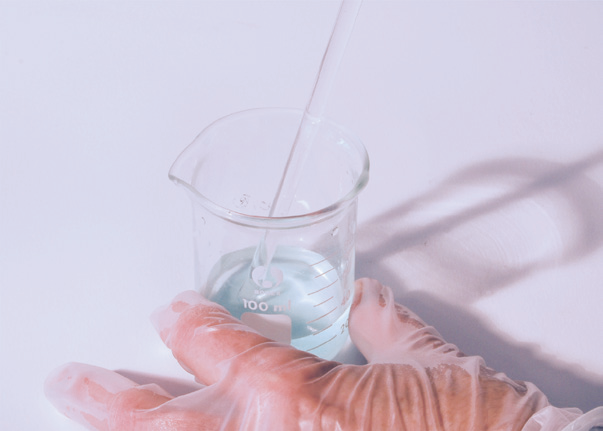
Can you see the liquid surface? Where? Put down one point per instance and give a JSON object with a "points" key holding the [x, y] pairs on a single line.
{"points": [[301, 301]]}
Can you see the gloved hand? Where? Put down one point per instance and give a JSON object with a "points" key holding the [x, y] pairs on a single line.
{"points": [[414, 380]]}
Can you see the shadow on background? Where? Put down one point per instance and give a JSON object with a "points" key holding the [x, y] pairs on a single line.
{"points": [[483, 230]]}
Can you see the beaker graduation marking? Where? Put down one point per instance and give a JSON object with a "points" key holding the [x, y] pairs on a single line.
{"points": [[323, 329], [323, 288], [322, 344], [324, 315], [326, 300], [320, 275]]}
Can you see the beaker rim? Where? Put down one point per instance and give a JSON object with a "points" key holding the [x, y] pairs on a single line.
{"points": [[273, 222]]}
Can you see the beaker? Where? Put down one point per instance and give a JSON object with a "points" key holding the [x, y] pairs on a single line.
{"points": [[301, 290]]}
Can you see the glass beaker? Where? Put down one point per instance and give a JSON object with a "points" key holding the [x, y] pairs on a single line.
{"points": [[302, 288]]}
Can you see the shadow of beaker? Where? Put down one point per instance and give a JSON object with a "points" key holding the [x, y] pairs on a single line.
{"points": [[486, 227]]}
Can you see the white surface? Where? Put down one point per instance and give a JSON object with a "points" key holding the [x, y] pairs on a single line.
{"points": [[484, 209]]}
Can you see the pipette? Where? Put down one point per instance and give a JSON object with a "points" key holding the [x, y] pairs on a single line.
{"points": [[284, 197]]}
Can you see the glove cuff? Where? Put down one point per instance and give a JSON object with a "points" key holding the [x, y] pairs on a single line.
{"points": [[570, 419], [593, 420]]}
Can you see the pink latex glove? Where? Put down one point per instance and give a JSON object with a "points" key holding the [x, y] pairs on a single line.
{"points": [[414, 380]]}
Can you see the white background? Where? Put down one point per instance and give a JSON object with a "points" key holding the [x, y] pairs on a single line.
{"points": [[483, 121]]}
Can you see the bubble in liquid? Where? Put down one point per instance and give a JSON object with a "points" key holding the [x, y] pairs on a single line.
{"points": [[258, 275]]}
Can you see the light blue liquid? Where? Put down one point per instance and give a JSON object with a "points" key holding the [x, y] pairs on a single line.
{"points": [[307, 293]]}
